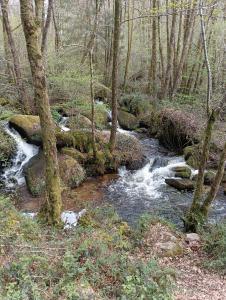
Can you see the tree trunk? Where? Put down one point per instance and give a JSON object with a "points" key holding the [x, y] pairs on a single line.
{"points": [[215, 185], [46, 26], [23, 97], [114, 99], [52, 208], [130, 39]]}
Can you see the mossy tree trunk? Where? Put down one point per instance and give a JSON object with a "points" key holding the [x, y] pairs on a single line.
{"points": [[116, 40], [215, 185], [23, 97], [193, 217], [52, 208]]}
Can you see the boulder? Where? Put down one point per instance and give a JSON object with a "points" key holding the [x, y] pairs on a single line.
{"points": [[78, 122], [181, 184], [80, 157], [127, 121], [170, 248], [7, 148], [208, 177], [192, 237], [182, 172], [28, 126], [71, 172]]}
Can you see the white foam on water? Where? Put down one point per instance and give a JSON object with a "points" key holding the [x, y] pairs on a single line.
{"points": [[14, 175], [147, 181], [62, 124]]}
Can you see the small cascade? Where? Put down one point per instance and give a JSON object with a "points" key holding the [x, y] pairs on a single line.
{"points": [[13, 175], [63, 123]]}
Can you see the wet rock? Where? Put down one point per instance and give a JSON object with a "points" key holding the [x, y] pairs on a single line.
{"points": [[80, 157], [71, 172], [127, 121], [181, 184], [7, 148], [28, 126], [158, 163], [208, 177], [182, 172], [141, 130]]}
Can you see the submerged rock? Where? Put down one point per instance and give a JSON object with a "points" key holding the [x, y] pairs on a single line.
{"points": [[181, 184], [7, 148], [28, 127], [182, 172]]}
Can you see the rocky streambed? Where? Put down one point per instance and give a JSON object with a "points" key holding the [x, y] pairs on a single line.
{"points": [[150, 178]]}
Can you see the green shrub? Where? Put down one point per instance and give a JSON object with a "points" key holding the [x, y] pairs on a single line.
{"points": [[215, 245]]}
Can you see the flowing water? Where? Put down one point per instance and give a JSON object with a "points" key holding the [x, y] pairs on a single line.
{"points": [[13, 175], [137, 192], [133, 193]]}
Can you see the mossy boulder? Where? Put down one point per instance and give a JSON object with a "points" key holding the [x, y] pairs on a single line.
{"points": [[192, 155], [71, 172], [80, 140], [4, 101], [208, 177], [28, 126], [79, 122], [101, 116], [181, 184], [127, 121], [136, 104], [80, 157], [182, 172], [7, 148]]}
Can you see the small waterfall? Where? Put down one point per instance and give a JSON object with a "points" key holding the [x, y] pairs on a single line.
{"points": [[63, 123], [13, 175]]}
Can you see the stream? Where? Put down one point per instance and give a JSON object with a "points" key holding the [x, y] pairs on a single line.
{"points": [[133, 193]]}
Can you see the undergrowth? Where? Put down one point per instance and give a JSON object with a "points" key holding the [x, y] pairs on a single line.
{"points": [[95, 260], [214, 238]]}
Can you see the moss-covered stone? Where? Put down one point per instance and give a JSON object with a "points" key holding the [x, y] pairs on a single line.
{"points": [[101, 117], [136, 104], [28, 126], [7, 148], [80, 140], [79, 122], [80, 157], [182, 172], [71, 172], [4, 101], [127, 121], [192, 155]]}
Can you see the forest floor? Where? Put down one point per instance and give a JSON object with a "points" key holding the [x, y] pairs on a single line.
{"points": [[193, 280]]}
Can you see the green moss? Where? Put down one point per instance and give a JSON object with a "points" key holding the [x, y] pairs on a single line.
{"points": [[80, 157], [182, 172], [127, 121], [7, 148], [4, 102], [136, 104], [79, 122], [28, 126]]}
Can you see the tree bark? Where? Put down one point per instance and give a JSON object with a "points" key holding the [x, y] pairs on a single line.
{"points": [[46, 26], [52, 208], [23, 97], [116, 41]]}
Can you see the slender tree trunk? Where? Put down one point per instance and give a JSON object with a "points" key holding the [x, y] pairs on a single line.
{"points": [[23, 97], [130, 39], [114, 99], [170, 57], [57, 35], [189, 24], [203, 32], [215, 185], [9, 70], [153, 67], [52, 208], [47, 25]]}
